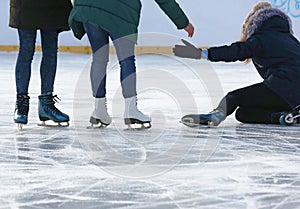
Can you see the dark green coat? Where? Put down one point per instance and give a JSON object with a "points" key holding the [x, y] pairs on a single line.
{"points": [[119, 17], [40, 14]]}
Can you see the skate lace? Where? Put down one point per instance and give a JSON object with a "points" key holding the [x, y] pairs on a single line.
{"points": [[22, 105], [56, 98], [50, 103]]}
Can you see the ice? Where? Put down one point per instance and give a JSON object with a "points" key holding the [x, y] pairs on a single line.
{"points": [[168, 166]]}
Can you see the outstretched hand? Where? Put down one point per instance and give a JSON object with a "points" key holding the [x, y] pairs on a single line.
{"points": [[190, 29], [187, 50]]}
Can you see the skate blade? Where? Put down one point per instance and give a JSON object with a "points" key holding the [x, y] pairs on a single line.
{"points": [[291, 118], [196, 125], [97, 126], [54, 124], [96, 123], [195, 121], [20, 126], [138, 126], [135, 124]]}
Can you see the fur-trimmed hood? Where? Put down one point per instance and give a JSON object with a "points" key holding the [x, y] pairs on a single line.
{"points": [[261, 16]]}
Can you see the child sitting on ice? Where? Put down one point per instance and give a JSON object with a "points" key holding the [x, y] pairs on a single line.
{"points": [[267, 41]]}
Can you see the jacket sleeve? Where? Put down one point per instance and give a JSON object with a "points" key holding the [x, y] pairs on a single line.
{"points": [[238, 51], [77, 27], [172, 9]]}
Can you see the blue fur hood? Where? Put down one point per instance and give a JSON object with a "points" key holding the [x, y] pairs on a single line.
{"points": [[261, 16]]}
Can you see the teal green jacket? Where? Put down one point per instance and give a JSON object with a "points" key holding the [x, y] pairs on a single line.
{"points": [[119, 17]]}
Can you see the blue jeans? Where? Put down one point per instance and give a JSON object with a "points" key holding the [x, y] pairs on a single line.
{"points": [[49, 40], [99, 41]]}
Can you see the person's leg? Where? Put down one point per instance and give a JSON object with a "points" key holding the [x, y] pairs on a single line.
{"points": [[46, 106], [99, 41], [27, 40], [126, 57], [49, 40], [257, 104], [254, 115], [257, 96], [125, 52]]}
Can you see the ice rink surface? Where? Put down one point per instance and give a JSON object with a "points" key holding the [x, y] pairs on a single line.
{"points": [[236, 166]]}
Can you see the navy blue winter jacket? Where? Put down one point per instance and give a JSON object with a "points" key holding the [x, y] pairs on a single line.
{"points": [[275, 53]]}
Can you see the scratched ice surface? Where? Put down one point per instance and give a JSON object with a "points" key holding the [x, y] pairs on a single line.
{"points": [[168, 166]]}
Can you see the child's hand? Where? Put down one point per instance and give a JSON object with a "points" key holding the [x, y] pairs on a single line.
{"points": [[187, 50], [190, 29]]}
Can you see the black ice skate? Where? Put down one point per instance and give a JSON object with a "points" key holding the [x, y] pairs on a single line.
{"points": [[133, 116], [21, 110], [47, 111], [213, 118], [291, 117]]}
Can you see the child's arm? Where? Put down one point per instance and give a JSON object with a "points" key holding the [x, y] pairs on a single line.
{"points": [[236, 51]]}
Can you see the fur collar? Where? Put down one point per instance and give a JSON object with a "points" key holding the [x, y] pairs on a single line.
{"points": [[262, 15]]}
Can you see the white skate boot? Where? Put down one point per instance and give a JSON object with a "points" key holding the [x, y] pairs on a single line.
{"points": [[133, 116], [100, 117]]}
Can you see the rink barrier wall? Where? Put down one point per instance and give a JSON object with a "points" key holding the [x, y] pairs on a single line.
{"points": [[87, 49]]}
